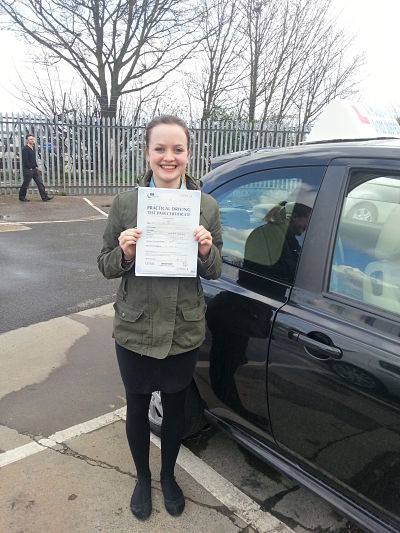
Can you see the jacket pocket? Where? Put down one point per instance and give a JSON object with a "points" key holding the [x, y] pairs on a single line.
{"points": [[126, 313], [193, 314], [190, 327]]}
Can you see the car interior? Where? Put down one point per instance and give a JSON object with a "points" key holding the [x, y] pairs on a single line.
{"points": [[366, 262], [382, 282]]}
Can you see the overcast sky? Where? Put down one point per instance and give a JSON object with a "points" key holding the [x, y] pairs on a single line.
{"points": [[375, 25]]}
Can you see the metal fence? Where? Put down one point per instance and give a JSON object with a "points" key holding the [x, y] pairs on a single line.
{"points": [[104, 156]]}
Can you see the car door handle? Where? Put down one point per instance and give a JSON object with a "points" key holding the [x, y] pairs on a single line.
{"points": [[308, 342]]}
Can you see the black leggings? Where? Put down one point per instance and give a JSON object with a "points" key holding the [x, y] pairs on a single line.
{"points": [[138, 431]]}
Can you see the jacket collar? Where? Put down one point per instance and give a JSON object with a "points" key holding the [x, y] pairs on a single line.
{"points": [[191, 183]]}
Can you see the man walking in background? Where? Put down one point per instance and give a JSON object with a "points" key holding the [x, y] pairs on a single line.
{"points": [[30, 170]]}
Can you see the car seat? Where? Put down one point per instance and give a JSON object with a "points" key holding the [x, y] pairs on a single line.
{"points": [[264, 244], [382, 280], [258, 213]]}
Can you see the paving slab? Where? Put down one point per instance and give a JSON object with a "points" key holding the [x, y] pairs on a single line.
{"points": [[85, 485]]}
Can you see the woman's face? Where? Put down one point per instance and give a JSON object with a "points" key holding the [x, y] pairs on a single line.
{"points": [[167, 154]]}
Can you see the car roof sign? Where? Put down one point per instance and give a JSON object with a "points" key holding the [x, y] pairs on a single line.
{"points": [[347, 120]]}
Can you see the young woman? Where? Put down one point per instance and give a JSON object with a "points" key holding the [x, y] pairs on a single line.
{"points": [[159, 321]]}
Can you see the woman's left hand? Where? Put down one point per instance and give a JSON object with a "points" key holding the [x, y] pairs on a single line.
{"points": [[204, 239]]}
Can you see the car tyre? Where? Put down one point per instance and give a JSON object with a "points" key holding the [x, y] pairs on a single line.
{"points": [[365, 212], [194, 412]]}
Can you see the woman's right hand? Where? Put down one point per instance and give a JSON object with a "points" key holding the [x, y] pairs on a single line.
{"points": [[127, 241]]}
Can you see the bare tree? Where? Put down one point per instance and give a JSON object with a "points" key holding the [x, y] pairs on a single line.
{"points": [[331, 74], [320, 66], [297, 59], [396, 112], [283, 68], [260, 35], [143, 104], [47, 94], [117, 47], [219, 68]]}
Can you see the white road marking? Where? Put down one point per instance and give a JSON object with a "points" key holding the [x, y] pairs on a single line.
{"points": [[89, 426], [222, 489], [11, 456], [87, 219], [95, 207], [12, 226]]}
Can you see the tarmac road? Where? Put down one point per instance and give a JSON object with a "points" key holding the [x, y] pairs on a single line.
{"points": [[50, 269], [56, 373]]}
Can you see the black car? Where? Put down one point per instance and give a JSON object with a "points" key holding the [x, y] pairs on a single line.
{"points": [[301, 364]]}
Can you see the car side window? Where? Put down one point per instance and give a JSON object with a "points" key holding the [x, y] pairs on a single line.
{"points": [[264, 216], [366, 259]]}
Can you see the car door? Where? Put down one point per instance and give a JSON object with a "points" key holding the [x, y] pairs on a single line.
{"points": [[241, 305], [334, 363]]}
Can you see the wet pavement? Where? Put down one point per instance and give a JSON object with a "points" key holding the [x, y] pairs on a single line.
{"points": [[64, 460], [85, 484]]}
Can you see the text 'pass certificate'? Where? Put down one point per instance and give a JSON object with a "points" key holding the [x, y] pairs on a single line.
{"points": [[167, 218]]}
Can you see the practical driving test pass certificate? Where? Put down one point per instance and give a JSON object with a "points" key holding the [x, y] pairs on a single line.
{"points": [[167, 218]]}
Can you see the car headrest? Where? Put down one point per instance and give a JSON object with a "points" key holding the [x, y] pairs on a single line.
{"points": [[388, 244]]}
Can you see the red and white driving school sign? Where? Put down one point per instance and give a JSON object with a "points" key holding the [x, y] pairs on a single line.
{"points": [[346, 120]]}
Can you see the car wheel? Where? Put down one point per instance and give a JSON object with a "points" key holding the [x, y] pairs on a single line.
{"points": [[357, 376], [365, 212], [194, 412], [155, 413]]}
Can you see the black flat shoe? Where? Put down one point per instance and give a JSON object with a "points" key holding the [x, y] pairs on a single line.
{"points": [[47, 199], [174, 499], [141, 500], [24, 200]]}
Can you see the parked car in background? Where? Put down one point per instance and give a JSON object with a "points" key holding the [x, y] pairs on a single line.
{"points": [[9, 155], [373, 200], [225, 158], [301, 363]]}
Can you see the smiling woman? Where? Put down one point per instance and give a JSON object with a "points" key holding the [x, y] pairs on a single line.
{"points": [[159, 320], [167, 152]]}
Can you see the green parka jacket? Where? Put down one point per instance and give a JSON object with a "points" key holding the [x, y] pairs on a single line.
{"points": [[158, 316]]}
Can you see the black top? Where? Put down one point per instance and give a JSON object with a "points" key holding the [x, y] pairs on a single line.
{"points": [[28, 158]]}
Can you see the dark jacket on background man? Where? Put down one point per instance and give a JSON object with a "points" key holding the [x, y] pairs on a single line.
{"points": [[158, 316], [28, 158], [30, 171]]}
